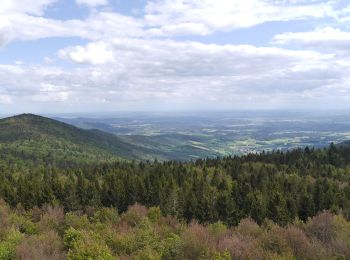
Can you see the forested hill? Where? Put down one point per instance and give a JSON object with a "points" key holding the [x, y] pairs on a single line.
{"points": [[279, 185], [29, 138], [288, 188]]}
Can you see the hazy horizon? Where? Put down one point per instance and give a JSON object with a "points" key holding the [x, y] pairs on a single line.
{"points": [[188, 112]]}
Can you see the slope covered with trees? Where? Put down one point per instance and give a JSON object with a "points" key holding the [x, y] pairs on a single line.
{"points": [[280, 186], [35, 139], [274, 190], [141, 233]]}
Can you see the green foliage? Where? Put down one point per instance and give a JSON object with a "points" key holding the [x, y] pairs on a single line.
{"points": [[76, 221], [86, 246], [72, 237], [29, 140], [325, 236], [8, 245], [222, 256], [25, 225], [172, 247], [278, 205], [147, 254], [279, 186], [217, 229], [6, 252], [106, 215], [154, 214]]}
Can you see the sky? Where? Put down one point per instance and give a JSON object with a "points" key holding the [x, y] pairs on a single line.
{"points": [[157, 55]]}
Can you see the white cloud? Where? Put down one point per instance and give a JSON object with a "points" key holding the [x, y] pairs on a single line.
{"points": [[164, 73], [51, 93], [188, 59], [207, 16], [34, 7], [92, 3], [23, 20], [97, 26], [134, 63], [5, 100], [93, 53], [344, 15], [327, 37]]}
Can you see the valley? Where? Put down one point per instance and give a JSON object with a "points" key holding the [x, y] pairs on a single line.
{"points": [[222, 133]]}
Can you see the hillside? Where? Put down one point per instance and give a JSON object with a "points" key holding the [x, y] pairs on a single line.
{"points": [[45, 140], [280, 205], [142, 233]]}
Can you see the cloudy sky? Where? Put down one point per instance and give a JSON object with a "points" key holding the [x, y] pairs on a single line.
{"points": [[112, 55]]}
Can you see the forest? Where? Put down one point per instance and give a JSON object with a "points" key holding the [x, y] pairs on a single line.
{"points": [[279, 186], [60, 201], [257, 206], [140, 233]]}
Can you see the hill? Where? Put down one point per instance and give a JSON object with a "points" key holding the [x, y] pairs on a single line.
{"points": [[300, 190], [44, 140]]}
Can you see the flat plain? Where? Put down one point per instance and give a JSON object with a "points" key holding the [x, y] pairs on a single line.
{"points": [[220, 133]]}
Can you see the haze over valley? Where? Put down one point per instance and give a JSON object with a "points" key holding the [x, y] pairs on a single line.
{"points": [[190, 135]]}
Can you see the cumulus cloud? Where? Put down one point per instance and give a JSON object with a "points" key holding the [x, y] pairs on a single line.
{"points": [[33, 7], [188, 59], [19, 18], [144, 73], [94, 53], [23, 19], [92, 3], [136, 63], [96, 26], [327, 37], [207, 16]]}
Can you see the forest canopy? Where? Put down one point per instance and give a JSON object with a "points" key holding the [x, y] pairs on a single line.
{"points": [[279, 186], [141, 233], [277, 205]]}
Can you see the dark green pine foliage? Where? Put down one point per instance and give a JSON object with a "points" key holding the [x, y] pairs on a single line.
{"points": [[50, 163], [29, 140], [279, 186]]}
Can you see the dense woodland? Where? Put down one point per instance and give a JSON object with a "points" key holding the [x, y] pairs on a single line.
{"points": [[280, 186], [48, 233], [278, 205]]}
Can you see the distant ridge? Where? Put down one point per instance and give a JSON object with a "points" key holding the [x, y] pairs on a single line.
{"points": [[41, 138], [343, 144]]}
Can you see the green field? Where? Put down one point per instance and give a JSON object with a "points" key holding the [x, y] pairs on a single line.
{"points": [[191, 135]]}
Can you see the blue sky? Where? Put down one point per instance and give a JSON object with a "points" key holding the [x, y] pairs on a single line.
{"points": [[111, 55]]}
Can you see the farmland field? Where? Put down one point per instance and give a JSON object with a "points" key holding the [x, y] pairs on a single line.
{"points": [[193, 135]]}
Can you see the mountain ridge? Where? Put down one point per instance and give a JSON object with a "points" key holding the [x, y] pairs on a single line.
{"points": [[37, 138], [30, 135]]}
